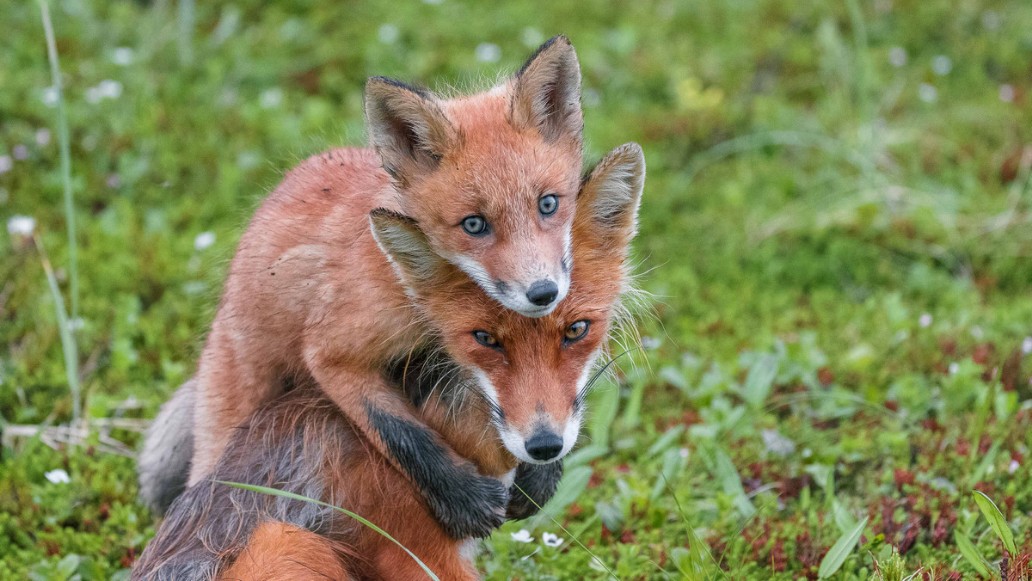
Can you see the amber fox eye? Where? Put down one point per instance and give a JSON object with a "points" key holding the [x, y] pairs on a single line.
{"points": [[547, 205], [474, 225], [486, 339], [576, 332]]}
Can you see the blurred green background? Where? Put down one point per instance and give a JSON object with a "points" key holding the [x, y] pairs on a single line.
{"points": [[836, 230]]}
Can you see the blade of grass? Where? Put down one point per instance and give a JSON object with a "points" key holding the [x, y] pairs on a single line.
{"points": [[999, 524], [68, 344], [970, 553], [66, 158], [378, 530], [840, 551]]}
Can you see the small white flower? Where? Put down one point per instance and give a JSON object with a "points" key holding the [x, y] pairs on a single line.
{"points": [[990, 20], [897, 56], [942, 65], [925, 321], [271, 98], [204, 240], [953, 368], [20, 151], [122, 56], [21, 226], [1007, 93], [42, 137], [531, 37], [551, 540], [683, 452], [522, 536], [488, 52], [110, 89], [1026, 345], [388, 33], [977, 332], [1013, 467], [58, 477], [927, 93], [49, 97], [5, 164], [777, 444]]}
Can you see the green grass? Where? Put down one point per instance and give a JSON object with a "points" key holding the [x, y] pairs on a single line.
{"points": [[839, 246]]}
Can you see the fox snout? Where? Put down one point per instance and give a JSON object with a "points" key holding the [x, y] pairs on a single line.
{"points": [[536, 299], [547, 441]]}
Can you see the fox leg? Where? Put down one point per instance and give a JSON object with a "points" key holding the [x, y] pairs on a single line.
{"points": [[538, 481], [228, 391], [464, 502], [279, 552]]}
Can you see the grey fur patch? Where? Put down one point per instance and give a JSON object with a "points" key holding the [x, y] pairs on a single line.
{"points": [[164, 462]]}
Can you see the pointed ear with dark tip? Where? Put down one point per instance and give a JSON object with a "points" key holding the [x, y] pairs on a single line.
{"points": [[547, 91], [611, 192], [406, 127], [407, 247]]}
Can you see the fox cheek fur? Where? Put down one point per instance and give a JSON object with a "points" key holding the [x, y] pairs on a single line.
{"points": [[494, 194]]}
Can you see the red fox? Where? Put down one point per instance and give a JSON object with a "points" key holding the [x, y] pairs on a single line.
{"points": [[539, 370], [490, 179]]}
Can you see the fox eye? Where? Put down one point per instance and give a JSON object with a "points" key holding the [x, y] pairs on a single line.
{"points": [[547, 205], [576, 331], [486, 339], [474, 225]]}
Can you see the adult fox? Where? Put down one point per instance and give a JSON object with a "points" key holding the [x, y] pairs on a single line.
{"points": [[490, 179], [304, 444]]}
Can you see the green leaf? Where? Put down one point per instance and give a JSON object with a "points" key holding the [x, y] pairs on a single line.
{"points": [[291, 495], [970, 552], [840, 550], [996, 521], [665, 441], [760, 381]]}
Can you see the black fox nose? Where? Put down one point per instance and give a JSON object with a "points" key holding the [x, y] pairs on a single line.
{"points": [[542, 292], [544, 446]]}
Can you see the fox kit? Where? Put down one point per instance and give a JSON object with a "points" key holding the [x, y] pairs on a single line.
{"points": [[538, 373], [490, 179]]}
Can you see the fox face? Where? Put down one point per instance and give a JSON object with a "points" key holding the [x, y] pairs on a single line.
{"points": [[532, 372], [491, 179]]}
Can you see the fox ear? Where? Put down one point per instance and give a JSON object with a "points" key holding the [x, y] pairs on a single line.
{"points": [[407, 127], [407, 247], [547, 90], [611, 192]]}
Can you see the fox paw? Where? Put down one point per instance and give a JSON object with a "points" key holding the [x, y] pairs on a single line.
{"points": [[470, 506], [533, 486]]}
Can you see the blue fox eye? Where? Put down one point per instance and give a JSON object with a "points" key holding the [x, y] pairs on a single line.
{"points": [[576, 331], [486, 339], [547, 205], [474, 225]]}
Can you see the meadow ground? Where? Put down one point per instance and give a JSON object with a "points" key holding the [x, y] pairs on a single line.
{"points": [[837, 230]]}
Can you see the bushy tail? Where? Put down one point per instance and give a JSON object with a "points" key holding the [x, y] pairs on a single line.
{"points": [[164, 462]]}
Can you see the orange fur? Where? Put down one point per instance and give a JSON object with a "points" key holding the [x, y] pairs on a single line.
{"points": [[278, 552], [310, 295]]}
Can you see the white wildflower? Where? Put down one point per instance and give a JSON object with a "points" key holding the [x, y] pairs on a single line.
{"points": [[388, 33], [897, 56], [551, 540], [1007, 93], [42, 137], [942, 65], [522, 536], [21, 226], [927, 93], [204, 240], [925, 321], [50, 96], [6, 163], [954, 368], [271, 98], [123, 56], [1026, 345], [58, 477], [488, 52], [1013, 466], [20, 152], [777, 444], [683, 452]]}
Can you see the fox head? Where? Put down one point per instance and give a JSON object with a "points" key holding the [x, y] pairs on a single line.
{"points": [[491, 178], [533, 372]]}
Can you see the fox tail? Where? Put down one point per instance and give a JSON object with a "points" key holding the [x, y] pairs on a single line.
{"points": [[164, 462]]}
